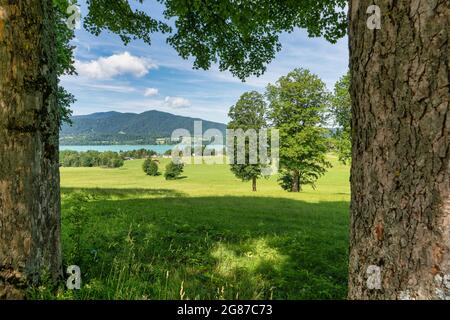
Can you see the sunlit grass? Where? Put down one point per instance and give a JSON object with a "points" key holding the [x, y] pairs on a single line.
{"points": [[207, 236]]}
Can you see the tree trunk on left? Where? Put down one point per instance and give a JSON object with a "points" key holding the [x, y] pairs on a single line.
{"points": [[29, 128]]}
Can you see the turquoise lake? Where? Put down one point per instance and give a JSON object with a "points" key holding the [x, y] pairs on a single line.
{"points": [[161, 148]]}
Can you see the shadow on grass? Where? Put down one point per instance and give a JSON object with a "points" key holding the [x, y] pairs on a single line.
{"points": [[177, 178], [125, 193], [212, 247]]}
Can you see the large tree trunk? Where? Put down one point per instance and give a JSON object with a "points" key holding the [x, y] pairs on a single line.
{"points": [[29, 125], [400, 205]]}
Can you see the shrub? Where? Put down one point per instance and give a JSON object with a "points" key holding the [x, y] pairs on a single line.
{"points": [[173, 171], [90, 159], [150, 167], [286, 179]]}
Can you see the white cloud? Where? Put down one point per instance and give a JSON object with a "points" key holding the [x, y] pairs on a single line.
{"points": [[84, 85], [176, 102], [150, 92], [112, 88], [115, 65]]}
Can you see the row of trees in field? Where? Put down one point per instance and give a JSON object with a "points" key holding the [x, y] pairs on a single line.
{"points": [[301, 108], [138, 154], [108, 159]]}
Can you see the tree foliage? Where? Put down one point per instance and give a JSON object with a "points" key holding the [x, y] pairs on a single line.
{"points": [[242, 36], [239, 36], [173, 170], [341, 110], [65, 57], [120, 18], [297, 106], [248, 113], [308, 176], [108, 159], [150, 167]]}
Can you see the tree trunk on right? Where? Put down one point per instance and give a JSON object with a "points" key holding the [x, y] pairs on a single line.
{"points": [[400, 205]]}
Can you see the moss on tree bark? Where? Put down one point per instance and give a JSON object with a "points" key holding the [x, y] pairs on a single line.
{"points": [[29, 128]]}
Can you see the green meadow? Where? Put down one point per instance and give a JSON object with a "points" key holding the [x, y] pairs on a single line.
{"points": [[203, 236]]}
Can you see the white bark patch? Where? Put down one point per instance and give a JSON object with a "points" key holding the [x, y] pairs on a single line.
{"points": [[443, 286], [405, 295], [447, 281], [373, 277]]}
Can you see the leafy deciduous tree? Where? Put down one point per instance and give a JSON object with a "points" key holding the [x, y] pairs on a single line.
{"points": [[297, 106], [248, 114], [150, 167], [173, 170]]}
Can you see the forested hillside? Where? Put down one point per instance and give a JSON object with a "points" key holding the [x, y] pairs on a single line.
{"points": [[127, 128]]}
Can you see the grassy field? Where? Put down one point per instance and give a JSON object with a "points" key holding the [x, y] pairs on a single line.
{"points": [[204, 236]]}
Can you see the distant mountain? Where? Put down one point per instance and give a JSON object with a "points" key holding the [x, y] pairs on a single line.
{"points": [[127, 128]]}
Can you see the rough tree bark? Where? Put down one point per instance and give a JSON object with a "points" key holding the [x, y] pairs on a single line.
{"points": [[400, 206], [29, 125]]}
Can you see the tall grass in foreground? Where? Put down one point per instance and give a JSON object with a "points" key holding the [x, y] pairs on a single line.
{"points": [[203, 237]]}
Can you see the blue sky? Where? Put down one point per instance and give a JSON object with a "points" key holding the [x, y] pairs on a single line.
{"points": [[138, 77]]}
